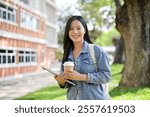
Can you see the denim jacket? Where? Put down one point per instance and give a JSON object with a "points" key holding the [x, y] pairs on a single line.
{"points": [[92, 89]]}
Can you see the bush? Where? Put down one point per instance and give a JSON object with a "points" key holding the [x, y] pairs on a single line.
{"points": [[58, 55]]}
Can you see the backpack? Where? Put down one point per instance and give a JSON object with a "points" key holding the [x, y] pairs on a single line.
{"points": [[92, 53]]}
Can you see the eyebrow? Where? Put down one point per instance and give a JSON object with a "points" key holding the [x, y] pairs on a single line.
{"points": [[74, 26]]}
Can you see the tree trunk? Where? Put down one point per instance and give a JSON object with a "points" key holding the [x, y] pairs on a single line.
{"points": [[133, 22], [119, 53]]}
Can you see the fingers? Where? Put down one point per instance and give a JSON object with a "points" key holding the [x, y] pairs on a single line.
{"points": [[55, 76], [69, 74], [72, 75], [60, 79]]}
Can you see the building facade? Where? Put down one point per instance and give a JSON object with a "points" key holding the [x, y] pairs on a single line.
{"points": [[28, 36]]}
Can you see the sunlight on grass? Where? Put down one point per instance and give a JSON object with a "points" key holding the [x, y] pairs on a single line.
{"points": [[138, 93], [53, 92], [125, 93], [116, 75]]}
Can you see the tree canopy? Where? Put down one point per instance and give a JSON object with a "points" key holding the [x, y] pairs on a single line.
{"points": [[101, 15]]}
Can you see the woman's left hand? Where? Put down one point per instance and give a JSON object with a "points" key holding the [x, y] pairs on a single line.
{"points": [[74, 75]]}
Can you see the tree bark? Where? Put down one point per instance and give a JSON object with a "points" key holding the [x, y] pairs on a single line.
{"points": [[133, 22]]}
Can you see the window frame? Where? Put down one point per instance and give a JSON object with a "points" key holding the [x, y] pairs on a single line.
{"points": [[10, 13], [11, 56], [28, 21], [6, 55]]}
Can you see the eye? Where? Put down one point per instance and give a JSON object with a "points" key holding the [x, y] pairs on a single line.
{"points": [[70, 28], [79, 28]]}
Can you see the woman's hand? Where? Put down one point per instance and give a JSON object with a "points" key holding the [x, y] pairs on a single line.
{"points": [[74, 75], [60, 79]]}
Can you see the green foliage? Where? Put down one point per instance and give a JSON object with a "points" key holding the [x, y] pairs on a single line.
{"points": [[97, 9], [105, 39], [58, 55], [100, 14], [60, 37]]}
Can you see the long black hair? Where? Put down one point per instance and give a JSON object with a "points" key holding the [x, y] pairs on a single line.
{"points": [[68, 43]]}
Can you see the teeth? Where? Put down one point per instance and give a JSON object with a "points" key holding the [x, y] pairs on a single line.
{"points": [[76, 36]]}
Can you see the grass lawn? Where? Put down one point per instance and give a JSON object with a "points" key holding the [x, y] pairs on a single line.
{"points": [[117, 93], [54, 92]]}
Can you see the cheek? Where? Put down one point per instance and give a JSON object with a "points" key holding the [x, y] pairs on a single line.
{"points": [[83, 32], [69, 34]]}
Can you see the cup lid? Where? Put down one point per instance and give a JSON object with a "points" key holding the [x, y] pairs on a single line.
{"points": [[68, 63]]}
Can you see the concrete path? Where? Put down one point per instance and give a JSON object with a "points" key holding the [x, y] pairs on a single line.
{"points": [[17, 87]]}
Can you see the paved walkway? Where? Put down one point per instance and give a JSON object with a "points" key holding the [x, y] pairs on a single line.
{"points": [[17, 87]]}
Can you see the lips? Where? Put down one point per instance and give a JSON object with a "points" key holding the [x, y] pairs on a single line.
{"points": [[76, 36]]}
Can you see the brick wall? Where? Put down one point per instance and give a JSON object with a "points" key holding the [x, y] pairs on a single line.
{"points": [[45, 55]]}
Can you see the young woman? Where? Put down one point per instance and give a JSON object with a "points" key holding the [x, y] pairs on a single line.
{"points": [[87, 78]]}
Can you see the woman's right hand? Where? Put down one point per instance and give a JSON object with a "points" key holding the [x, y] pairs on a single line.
{"points": [[60, 79]]}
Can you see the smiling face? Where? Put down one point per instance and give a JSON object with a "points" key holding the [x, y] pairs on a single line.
{"points": [[76, 31]]}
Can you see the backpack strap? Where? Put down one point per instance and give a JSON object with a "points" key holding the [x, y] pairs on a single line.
{"points": [[92, 53]]}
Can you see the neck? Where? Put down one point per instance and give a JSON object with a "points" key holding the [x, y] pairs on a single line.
{"points": [[78, 45]]}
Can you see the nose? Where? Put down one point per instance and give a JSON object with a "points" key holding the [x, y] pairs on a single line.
{"points": [[75, 31]]}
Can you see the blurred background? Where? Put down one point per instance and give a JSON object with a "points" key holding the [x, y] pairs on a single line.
{"points": [[31, 32], [31, 36]]}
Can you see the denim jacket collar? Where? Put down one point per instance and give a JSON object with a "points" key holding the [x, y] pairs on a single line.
{"points": [[84, 50]]}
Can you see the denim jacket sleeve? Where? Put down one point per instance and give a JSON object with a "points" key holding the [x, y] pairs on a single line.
{"points": [[103, 72]]}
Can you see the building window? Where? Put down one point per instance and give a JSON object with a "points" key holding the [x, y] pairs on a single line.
{"points": [[27, 57], [21, 56], [28, 21], [13, 58], [7, 13], [33, 57], [7, 56]]}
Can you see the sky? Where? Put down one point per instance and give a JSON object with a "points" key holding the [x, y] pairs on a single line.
{"points": [[65, 3], [62, 4]]}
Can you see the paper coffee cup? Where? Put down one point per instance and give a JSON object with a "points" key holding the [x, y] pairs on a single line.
{"points": [[68, 66]]}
